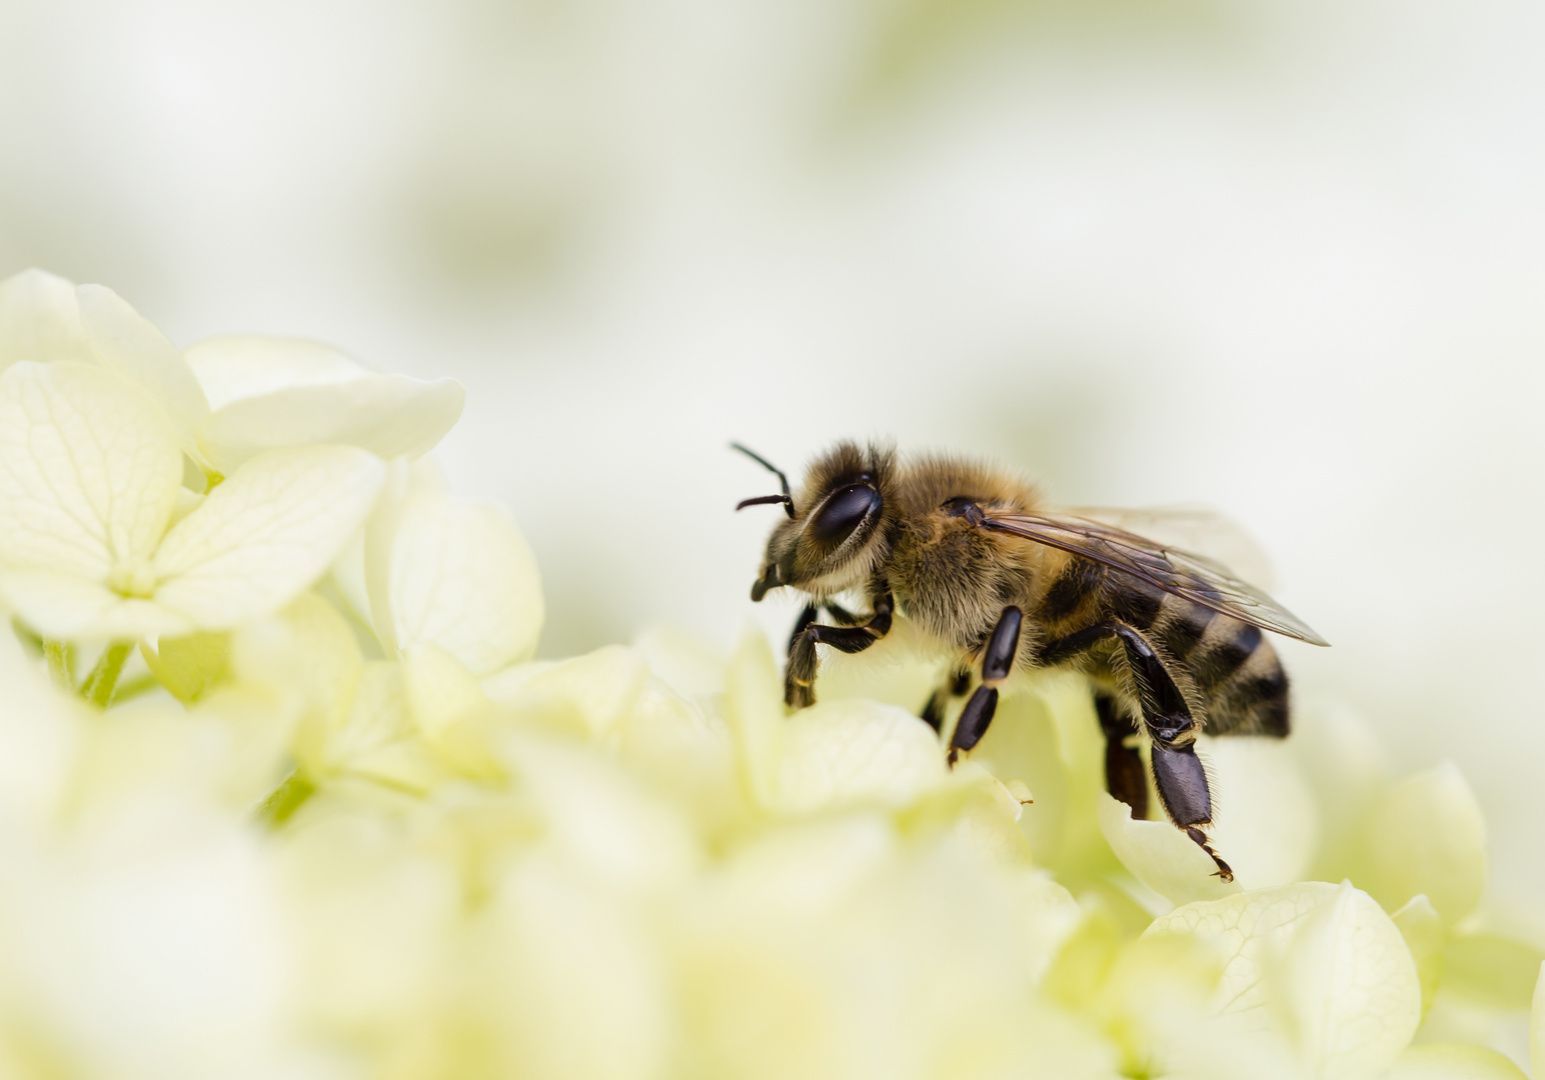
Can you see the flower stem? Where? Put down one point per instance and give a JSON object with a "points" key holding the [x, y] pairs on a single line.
{"points": [[61, 663], [98, 687], [284, 800]]}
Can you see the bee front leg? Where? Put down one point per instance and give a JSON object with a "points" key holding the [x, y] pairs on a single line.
{"points": [[799, 676], [997, 662]]}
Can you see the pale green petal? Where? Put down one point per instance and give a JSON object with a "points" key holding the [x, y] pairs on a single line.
{"points": [[1454, 1061], [131, 345], [1323, 963], [307, 661], [1422, 928], [89, 473], [40, 320], [599, 820], [853, 751], [571, 984], [1427, 835], [238, 367], [753, 704], [1537, 1026], [265, 534], [1161, 856], [1265, 821], [588, 695], [69, 608], [192, 665], [462, 578]]}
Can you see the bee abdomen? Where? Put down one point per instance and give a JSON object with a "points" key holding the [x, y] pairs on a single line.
{"points": [[1232, 665]]}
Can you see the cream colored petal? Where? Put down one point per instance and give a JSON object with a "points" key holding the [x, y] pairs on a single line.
{"points": [[1321, 963], [131, 345], [854, 751], [1161, 856], [237, 367], [389, 415], [1537, 1026], [1265, 822], [40, 320], [265, 534], [587, 695], [72, 608], [89, 471], [463, 579], [1426, 835], [1454, 1061], [753, 704], [1420, 925]]}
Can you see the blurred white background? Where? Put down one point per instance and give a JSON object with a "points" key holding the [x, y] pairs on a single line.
{"points": [[1285, 258]]}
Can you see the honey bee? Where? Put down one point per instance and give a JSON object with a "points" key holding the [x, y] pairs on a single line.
{"points": [[1169, 640]]}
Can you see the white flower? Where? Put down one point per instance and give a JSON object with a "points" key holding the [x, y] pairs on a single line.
{"points": [[268, 392], [90, 478]]}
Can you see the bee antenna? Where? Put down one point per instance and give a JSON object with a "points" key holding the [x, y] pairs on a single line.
{"points": [[783, 481]]}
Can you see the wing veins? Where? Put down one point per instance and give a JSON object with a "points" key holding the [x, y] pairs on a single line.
{"points": [[1211, 585]]}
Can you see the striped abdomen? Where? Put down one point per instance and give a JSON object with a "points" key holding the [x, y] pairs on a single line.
{"points": [[1230, 663]]}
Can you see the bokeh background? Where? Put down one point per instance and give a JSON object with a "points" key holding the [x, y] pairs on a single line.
{"points": [[1282, 257]]}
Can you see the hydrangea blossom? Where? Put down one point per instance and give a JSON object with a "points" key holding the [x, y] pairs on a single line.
{"points": [[316, 812]]}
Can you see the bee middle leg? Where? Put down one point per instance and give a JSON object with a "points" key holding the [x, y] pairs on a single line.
{"points": [[958, 683], [799, 675], [997, 662], [1177, 771]]}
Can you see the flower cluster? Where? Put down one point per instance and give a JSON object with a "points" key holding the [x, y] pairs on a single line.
{"points": [[283, 794]]}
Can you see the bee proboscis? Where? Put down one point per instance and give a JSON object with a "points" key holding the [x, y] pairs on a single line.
{"points": [[971, 555]]}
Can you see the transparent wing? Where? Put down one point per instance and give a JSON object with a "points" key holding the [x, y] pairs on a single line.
{"points": [[1199, 530], [1193, 577]]}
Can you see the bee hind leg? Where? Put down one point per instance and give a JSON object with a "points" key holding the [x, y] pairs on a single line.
{"points": [[1124, 775], [1177, 771], [997, 662]]}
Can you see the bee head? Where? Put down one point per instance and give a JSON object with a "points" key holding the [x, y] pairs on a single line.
{"points": [[832, 534]]}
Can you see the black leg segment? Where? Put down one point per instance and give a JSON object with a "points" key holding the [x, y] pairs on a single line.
{"points": [[1124, 776], [997, 661], [1177, 771], [799, 676]]}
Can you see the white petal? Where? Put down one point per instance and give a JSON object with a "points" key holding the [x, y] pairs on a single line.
{"points": [[89, 472], [239, 367], [270, 392], [389, 415], [40, 320], [462, 578], [753, 704], [1265, 822], [1420, 925], [266, 533], [73, 608], [1427, 835], [1323, 962], [1454, 1061], [131, 345], [1161, 856], [853, 750]]}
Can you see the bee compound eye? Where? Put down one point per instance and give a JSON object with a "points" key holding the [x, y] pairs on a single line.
{"points": [[844, 512]]}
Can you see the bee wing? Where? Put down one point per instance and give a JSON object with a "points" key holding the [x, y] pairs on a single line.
{"points": [[1193, 577], [1198, 530]]}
